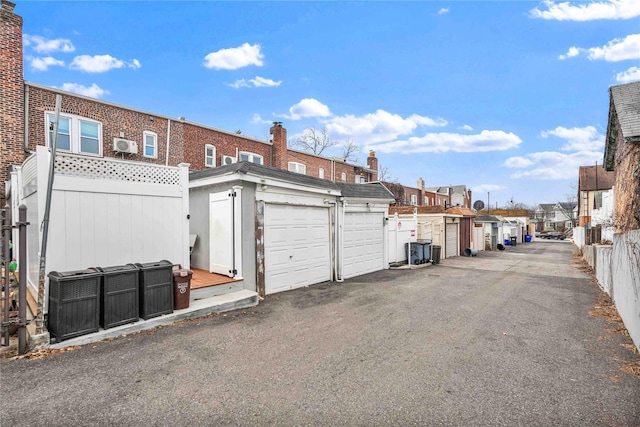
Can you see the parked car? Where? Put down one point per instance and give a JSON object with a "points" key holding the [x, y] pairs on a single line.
{"points": [[555, 235]]}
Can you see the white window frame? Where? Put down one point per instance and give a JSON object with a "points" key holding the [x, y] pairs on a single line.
{"points": [[251, 157], [145, 134], [321, 173], [74, 133], [343, 177], [208, 164], [426, 200], [296, 167], [414, 200], [360, 179]]}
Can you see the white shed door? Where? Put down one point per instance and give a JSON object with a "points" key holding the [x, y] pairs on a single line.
{"points": [[451, 240], [363, 243], [296, 247], [221, 233]]}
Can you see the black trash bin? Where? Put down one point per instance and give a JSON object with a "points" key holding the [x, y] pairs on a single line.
{"points": [[74, 303], [435, 254], [514, 240], [181, 288], [156, 289], [119, 292], [415, 253]]}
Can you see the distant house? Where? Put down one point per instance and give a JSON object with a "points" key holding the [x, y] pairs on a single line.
{"points": [[593, 182], [559, 216]]}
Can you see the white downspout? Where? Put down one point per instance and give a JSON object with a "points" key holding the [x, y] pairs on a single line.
{"points": [[340, 279], [166, 161]]}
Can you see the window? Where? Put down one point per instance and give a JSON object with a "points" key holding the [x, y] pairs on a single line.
{"points": [[414, 199], [321, 173], [150, 148], [298, 168], [250, 157], [75, 134], [344, 177], [210, 156], [426, 201], [360, 179]]}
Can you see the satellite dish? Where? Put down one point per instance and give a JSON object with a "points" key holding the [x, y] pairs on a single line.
{"points": [[478, 205]]}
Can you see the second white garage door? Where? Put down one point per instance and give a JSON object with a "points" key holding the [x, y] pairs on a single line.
{"points": [[296, 247], [363, 243]]}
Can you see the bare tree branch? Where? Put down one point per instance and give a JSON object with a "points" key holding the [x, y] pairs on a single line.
{"points": [[349, 150], [314, 140], [384, 174]]}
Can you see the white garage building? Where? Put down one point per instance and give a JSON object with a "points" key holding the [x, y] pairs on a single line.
{"points": [[278, 230]]}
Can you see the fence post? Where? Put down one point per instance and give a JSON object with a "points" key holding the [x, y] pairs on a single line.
{"points": [[6, 237], [22, 283]]}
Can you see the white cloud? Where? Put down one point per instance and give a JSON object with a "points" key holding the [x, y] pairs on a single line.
{"points": [[577, 139], [100, 63], [43, 64], [631, 75], [443, 11], [566, 11], [518, 162], [380, 126], [234, 58], [614, 51], [483, 188], [487, 140], [466, 127], [549, 165], [93, 91], [42, 45], [257, 82], [308, 107], [257, 119]]}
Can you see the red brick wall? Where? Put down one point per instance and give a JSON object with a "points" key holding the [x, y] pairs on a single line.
{"points": [[114, 120], [11, 93], [196, 137]]}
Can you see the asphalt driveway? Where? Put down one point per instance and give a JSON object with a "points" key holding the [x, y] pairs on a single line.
{"points": [[504, 338]]}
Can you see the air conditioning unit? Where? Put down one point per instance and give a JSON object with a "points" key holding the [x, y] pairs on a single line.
{"points": [[227, 160], [125, 146]]}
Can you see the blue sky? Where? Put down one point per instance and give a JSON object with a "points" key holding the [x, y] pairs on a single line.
{"points": [[508, 97]]}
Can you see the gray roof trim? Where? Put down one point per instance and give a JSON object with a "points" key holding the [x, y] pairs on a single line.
{"points": [[360, 191]]}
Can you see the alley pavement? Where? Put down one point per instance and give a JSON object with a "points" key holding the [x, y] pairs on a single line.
{"points": [[501, 339]]}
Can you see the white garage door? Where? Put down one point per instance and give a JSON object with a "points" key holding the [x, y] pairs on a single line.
{"points": [[363, 243], [296, 247], [451, 240]]}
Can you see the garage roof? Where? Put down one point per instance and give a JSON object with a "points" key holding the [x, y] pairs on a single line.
{"points": [[373, 190]]}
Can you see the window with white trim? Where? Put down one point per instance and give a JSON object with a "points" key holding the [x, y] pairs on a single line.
{"points": [[414, 199], [360, 179], [150, 144], [75, 134], [426, 201], [298, 168], [344, 177], [210, 156], [250, 157], [321, 173]]}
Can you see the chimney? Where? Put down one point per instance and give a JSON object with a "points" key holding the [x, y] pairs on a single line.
{"points": [[11, 91], [278, 137], [372, 163], [420, 183]]}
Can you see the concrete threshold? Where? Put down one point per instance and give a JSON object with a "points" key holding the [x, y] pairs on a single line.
{"points": [[197, 308]]}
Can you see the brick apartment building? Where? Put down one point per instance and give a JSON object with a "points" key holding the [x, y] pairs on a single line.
{"points": [[94, 127]]}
